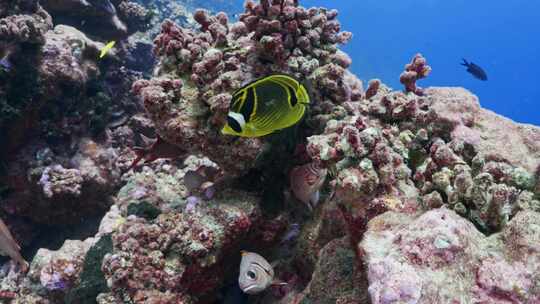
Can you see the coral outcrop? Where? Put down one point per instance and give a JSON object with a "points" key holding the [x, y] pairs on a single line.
{"points": [[176, 254], [439, 257], [198, 70]]}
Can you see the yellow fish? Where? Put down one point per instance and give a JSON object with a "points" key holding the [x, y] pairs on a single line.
{"points": [[106, 49], [266, 105]]}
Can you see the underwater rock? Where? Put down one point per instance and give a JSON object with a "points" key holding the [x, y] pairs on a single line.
{"points": [[92, 282], [50, 188], [52, 274], [337, 268], [440, 257], [485, 130], [176, 256]]}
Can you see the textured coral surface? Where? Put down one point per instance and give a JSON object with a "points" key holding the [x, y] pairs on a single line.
{"points": [[439, 257]]}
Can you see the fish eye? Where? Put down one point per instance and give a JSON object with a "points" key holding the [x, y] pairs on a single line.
{"points": [[251, 274]]}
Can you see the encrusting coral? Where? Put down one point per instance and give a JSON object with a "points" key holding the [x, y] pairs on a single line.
{"points": [[441, 257]]}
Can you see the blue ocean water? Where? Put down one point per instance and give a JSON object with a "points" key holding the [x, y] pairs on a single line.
{"points": [[503, 37]]}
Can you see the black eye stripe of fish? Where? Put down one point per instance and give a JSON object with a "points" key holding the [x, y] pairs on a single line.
{"points": [[248, 109], [292, 98]]}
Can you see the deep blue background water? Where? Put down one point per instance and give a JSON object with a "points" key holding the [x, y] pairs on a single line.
{"points": [[503, 37]]}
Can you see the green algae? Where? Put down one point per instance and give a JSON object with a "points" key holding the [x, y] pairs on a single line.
{"points": [[92, 281], [143, 209]]}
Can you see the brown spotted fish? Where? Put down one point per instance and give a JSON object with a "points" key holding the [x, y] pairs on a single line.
{"points": [[256, 274], [306, 181], [9, 247]]}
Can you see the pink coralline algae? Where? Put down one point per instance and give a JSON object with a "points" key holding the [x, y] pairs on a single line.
{"points": [[415, 71], [373, 88], [276, 36], [25, 28], [178, 256], [441, 257]]}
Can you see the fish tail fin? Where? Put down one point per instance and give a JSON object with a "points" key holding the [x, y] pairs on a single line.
{"points": [[140, 154], [465, 63]]}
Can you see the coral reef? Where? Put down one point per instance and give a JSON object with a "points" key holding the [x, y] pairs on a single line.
{"points": [[177, 256], [439, 257], [418, 201], [49, 188], [60, 113], [399, 146], [202, 68]]}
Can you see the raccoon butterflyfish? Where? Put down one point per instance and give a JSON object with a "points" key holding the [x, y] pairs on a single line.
{"points": [[106, 49], [266, 105]]}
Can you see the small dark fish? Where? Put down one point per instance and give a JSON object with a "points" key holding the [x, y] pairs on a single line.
{"points": [[475, 70]]}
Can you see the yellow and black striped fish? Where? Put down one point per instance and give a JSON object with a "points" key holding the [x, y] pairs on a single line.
{"points": [[266, 105]]}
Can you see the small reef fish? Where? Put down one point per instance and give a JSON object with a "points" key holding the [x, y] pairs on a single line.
{"points": [[292, 233], [105, 50], [154, 149], [8, 246], [256, 274], [266, 105], [306, 181], [475, 70], [5, 64]]}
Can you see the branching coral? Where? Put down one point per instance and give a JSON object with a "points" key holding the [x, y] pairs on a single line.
{"points": [[199, 70], [414, 71]]}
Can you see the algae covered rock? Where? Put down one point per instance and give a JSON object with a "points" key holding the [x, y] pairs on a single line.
{"points": [[92, 281], [336, 278], [441, 257]]}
